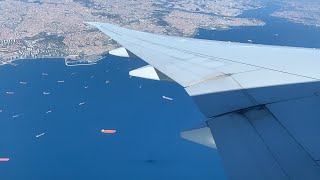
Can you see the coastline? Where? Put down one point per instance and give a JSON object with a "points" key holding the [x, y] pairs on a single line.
{"points": [[89, 62]]}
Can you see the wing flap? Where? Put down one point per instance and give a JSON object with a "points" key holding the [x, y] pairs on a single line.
{"points": [[244, 154], [254, 145], [301, 118], [219, 95]]}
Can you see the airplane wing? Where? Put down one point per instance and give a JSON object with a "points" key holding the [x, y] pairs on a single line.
{"points": [[261, 102]]}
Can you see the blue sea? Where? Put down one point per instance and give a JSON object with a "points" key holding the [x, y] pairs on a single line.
{"points": [[73, 111], [277, 31]]}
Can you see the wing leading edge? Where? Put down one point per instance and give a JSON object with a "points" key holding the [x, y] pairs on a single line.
{"points": [[246, 92]]}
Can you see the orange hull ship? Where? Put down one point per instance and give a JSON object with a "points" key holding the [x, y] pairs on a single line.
{"points": [[108, 131], [4, 159]]}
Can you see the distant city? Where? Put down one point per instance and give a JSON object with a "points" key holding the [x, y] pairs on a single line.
{"points": [[55, 29]]}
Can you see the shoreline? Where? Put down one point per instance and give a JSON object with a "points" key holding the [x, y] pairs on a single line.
{"points": [[11, 62]]}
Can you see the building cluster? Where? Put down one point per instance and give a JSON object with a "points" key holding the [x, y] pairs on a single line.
{"points": [[55, 28]]}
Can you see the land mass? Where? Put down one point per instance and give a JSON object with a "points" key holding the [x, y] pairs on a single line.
{"points": [[55, 28], [305, 12]]}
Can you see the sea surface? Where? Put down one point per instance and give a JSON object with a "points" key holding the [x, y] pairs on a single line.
{"points": [[71, 105], [277, 31], [146, 145]]}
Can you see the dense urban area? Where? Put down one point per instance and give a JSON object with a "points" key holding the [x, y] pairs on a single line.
{"points": [[56, 28]]}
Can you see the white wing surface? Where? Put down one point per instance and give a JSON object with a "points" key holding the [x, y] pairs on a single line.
{"points": [[261, 102]]}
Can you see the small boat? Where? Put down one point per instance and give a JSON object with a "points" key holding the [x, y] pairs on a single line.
{"points": [[15, 116], [46, 93], [108, 131], [39, 135], [9, 92], [167, 98], [4, 159], [22, 82]]}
